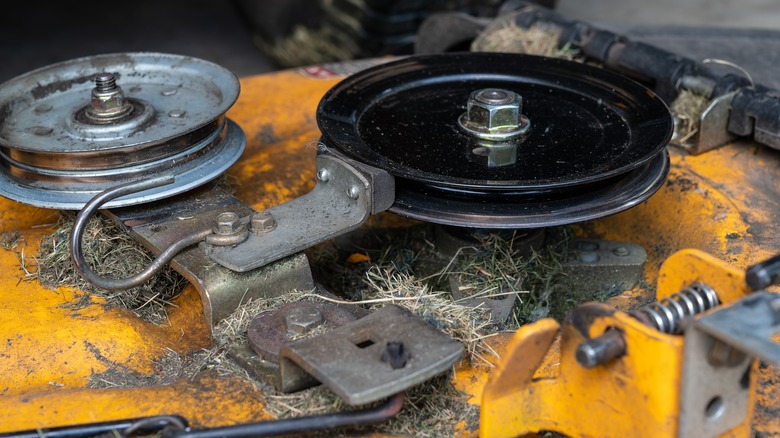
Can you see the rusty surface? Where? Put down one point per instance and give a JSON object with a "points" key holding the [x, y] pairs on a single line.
{"points": [[268, 331]]}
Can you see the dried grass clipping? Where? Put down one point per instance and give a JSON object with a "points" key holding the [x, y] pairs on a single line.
{"points": [[504, 35], [112, 253], [687, 109]]}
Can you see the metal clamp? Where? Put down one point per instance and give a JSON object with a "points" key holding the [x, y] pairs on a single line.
{"points": [[342, 200]]}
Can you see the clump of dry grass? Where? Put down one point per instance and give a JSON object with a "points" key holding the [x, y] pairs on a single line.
{"points": [[687, 108], [112, 253], [504, 35]]}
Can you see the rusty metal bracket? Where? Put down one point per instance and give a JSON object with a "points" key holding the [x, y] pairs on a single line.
{"points": [[349, 359], [344, 197], [158, 225]]}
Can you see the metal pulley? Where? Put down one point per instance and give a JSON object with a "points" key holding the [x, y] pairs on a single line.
{"points": [[71, 130], [502, 140]]}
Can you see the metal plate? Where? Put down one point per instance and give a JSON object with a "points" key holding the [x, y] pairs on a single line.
{"points": [[53, 156], [588, 124], [348, 360]]}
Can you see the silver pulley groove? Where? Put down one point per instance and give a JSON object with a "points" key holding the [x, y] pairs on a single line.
{"points": [[72, 130]]}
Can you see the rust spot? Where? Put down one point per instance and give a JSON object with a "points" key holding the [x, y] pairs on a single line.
{"points": [[583, 316]]}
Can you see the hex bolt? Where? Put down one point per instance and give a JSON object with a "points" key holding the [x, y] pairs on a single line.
{"points": [[323, 175], [353, 192], [302, 320], [108, 102], [262, 222], [494, 114], [227, 223], [600, 350]]}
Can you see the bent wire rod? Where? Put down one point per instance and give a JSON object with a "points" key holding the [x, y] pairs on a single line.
{"points": [[154, 267]]}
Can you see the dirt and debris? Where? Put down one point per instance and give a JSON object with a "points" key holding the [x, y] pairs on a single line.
{"points": [[504, 35], [687, 108], [399, 266], [112, 253]]}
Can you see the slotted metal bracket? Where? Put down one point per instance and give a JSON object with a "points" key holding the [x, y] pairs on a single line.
{"points": [[720, 347], [348, 359], [345, 196]]}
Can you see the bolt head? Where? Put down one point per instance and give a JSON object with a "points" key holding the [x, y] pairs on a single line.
{"points": [[492, 109], [262, 222], [227, 223], [301, 320]]}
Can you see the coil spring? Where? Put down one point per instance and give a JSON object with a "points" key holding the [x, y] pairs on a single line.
{"points": [[668, 314]]}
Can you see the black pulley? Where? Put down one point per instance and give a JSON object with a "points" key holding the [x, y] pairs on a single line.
{"points": [[502, 140]]}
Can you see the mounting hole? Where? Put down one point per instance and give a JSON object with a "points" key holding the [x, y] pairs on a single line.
{"points": [[365, 344], [715, 408]]}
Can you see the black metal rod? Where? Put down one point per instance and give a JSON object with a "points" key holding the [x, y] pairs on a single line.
{"points": [[764, 274], [295, 426], [147, 425]]}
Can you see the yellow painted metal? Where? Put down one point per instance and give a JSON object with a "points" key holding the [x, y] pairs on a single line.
{"points": [[51, 342], [635, 395]]}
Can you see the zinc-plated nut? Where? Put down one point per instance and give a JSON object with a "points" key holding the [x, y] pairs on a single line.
{"points": [[302, 320], [108, 101], [262, 222], [494, 114]]}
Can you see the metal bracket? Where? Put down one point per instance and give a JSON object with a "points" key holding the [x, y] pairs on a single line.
{"points": [[713, 125], [349, 359], [342, 200], [598, 265], [718, 359], [157, 225]]}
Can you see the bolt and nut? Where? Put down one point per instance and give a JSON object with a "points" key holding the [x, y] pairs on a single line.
{"points": [[228, 230], [108, 102], [262, 222], [227, 223], [494, 114]]}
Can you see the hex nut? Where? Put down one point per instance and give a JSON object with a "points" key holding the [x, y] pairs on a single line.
{"points": [[262, 222], [108, 100], [494, 114], [227, 223], [494, 109], [301, 320]]}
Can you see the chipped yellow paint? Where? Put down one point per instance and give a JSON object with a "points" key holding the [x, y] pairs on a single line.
{"points": [[635, 395], [51, 342]]}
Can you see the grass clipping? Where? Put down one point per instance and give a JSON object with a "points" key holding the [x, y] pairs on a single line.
{"points": [[687, 109], [504, 35], [112, 253]]}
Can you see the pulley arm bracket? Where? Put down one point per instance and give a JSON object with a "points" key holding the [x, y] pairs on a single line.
{"points": [[345, 196]]}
